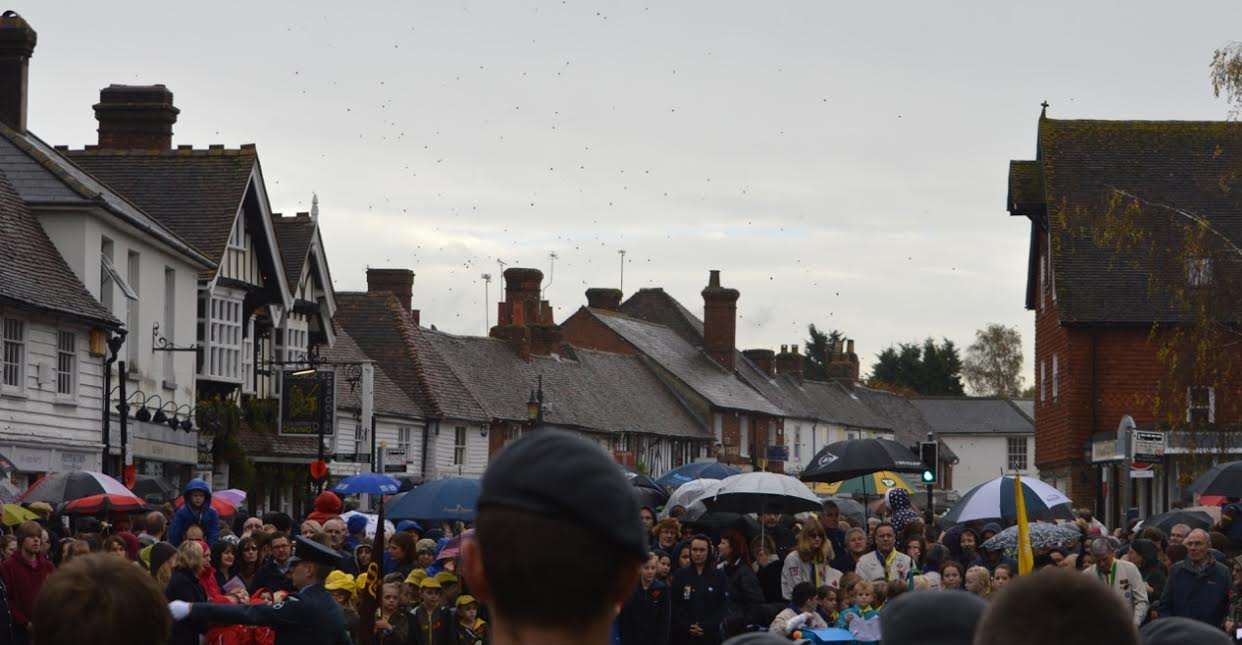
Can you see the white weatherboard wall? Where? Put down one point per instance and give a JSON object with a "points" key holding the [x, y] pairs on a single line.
{"points": [[983, 457], [442, 450]]}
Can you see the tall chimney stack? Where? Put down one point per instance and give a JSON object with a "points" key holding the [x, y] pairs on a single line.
{"points": [[720, 321], [135, 117], [600, 298], [398, 282], [17, 43], [789, 362], [764, 359]]}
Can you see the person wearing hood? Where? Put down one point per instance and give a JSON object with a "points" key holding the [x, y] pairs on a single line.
{"points": [[327, 506], [963, 543], [699, 597], [196, 510], [356, 527]]}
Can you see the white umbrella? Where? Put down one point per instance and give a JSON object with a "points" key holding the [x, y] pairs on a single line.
{"points": [[372, 522], [995, 500], [690, 492], [763, 493]]}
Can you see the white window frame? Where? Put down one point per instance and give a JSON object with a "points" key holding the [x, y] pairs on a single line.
{"points": [[13, 341], [237, 235], [133, 272], [459, 445], [223, 330], [66, 364], [247, 357], [405, 438], [798, 443], [718, 426], [743, 436], [1211, 403], [1043, 373], [1017, 451], [1043, 281], [1056, 378], [169, 326], [1198, 272]]}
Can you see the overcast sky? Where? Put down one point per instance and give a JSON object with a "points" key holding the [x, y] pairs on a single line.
{"points": [[841, 163]]}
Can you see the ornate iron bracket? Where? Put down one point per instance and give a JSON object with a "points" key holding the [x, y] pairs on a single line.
{"points": [[161, 344]]}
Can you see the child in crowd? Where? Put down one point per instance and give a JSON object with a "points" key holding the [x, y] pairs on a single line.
{"points": [[471, 630], [829, 608], [846, 584], [879, 593], [862, 605], [390, 620], [895, 588], [979, 581], [1001, 576], [951, 575]]}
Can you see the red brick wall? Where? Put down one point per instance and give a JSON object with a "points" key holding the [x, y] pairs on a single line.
{"points": [[583, 330]]}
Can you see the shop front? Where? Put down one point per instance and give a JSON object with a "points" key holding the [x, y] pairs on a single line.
{"points": [[32, 460]]}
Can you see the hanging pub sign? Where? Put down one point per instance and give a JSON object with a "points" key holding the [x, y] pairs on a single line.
{"points": [[308, 403]]}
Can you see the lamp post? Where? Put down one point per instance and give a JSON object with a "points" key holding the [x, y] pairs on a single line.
{"points": [[115, 342], [534, 405]]}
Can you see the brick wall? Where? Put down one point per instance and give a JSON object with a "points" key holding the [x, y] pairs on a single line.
{"points": [[583, 330]]}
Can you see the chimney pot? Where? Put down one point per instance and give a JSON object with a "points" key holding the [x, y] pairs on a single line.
{"points": [[135, 117], [789, 362], [720, 321], [17, 43], [522, 304], [601, 298], [849, 346], [398, 282]]}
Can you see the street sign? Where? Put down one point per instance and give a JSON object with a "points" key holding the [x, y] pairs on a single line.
{"points": [[1148, 446], [307, 402], [778, 453]]}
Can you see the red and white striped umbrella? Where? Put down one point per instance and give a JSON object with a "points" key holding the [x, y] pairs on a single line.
{"points": [[56, 488], [104, 503]]}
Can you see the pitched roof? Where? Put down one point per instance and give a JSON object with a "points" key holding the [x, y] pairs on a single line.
{"points": [[34, 272], [1087, 165], [971, 415], [826, 401], [592, 390], [389, 398], [196, 193], [909, 426], [653, 304], [687, 363], [258, 443], [294, 236], [43, 175]]}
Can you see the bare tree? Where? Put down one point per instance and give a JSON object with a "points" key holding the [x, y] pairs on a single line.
{"points": [[993, 365]]}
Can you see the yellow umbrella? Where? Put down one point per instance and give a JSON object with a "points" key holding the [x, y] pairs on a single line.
{"points": [[877, 483], [14, 515]]}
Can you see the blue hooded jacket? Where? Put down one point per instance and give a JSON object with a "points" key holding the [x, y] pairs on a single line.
{"points": [[206, 517]]}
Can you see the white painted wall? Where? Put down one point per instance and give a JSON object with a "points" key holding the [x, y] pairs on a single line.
{"points": [[78, 235], [441, 450], [983, 457]]}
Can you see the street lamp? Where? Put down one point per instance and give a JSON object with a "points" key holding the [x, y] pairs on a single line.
{"points": [[115, 342], [534, 405]]}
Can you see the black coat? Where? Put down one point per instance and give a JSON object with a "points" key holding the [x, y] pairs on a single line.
{"points": [[6, 619], [434, 629], [310, 617], [700, 598], [770, 581], [745, 595], [269, 577], [184, 585], [644, 619]]}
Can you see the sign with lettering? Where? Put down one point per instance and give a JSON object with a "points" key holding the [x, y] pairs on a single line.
{"points": [[308, 403], [1149, 446]]}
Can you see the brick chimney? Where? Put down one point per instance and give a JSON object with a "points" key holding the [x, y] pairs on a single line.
{"points": [[600, 298], [17, 43], [843, 365], [524, 320], [398, 282], [719, 321], [789, 361], [135, 117], [764, 359]]}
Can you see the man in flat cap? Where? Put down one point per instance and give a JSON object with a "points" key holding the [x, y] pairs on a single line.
{"points": [[309, 616], [544, 496]]}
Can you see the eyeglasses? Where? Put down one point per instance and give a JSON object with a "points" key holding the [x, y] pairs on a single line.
{"points": [[251, 548]]}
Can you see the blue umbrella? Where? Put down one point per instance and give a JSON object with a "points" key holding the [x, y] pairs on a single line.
{"points": [[698, 470], [371, 483], [455, 498]]}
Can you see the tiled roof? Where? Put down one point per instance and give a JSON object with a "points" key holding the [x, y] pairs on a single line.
{"points": [[829, 402], [909, 426], [389, 397], [196, 193], [1086, 165], [968, 415], [294, 235], [387, 334], [687, 363], [33, 271], [42, 174], [654, 304], [592, 390], [257, 443]]}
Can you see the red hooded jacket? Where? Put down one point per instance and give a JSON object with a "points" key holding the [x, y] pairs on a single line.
{"points": [[327, 506]]}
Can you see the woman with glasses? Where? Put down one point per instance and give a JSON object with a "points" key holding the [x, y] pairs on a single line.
{"points": [[247, 560]]}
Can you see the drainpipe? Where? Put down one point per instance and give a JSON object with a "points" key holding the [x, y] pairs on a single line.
{"points": [[426, 436]]}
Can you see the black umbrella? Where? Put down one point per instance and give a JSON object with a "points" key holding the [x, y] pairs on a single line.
{"points": [[857, 457], [154, 490], [1222, 479], [646, 490], [700, 517], [1166, 521]]}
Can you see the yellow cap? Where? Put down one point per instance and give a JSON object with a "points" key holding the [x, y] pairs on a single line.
{"points": [[339, 580], [446, 578], [416, 576], [430, 583], [465, 599]]}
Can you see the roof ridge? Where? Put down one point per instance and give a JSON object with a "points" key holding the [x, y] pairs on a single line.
{"points": [[212, 150]]}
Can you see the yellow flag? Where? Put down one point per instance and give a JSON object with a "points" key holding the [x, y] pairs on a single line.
{"points": [[1026, 558]]}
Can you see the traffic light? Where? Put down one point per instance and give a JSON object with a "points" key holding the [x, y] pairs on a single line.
{"points": [[928, 454]]}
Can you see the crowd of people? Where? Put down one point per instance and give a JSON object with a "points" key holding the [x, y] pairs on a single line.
{"points": [[640, 576]]}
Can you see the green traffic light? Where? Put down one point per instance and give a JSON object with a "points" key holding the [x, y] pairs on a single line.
{"points": [[929, 476]]}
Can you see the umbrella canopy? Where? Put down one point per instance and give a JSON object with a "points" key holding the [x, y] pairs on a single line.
{"points": [[690, 492], [877, 483], [56, 488], [223, 506], [851, 509], [452, 548], [857, 457], [1224, 480], [370, 483], [698, 515], [14, 515], [646, 491], [1193, 519], [698, 470], [234, 496], [372, 523], [9, 494], [104, 503], [763, 493], [994, 500], [1044, 535], [155, 490], [455, 498]]}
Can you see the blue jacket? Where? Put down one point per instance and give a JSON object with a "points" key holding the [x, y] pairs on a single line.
{"points": [[1199, 596], [206, 517]]}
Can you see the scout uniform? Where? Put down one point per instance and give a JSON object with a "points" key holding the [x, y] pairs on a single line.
{"points": [[475, 634], [434, 628]]}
